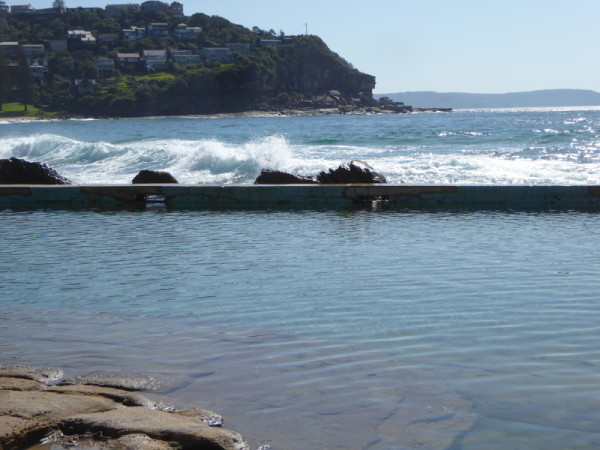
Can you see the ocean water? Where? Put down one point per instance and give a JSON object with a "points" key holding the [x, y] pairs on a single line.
{"points": [[335, 329], [540, 146]]}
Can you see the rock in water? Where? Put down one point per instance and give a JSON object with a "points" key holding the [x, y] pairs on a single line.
{"points": [[19, 171], [153, 177], [354, 172], [277, 177]]}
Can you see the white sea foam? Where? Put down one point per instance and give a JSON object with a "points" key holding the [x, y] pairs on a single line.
{"points": [[457, 149], [488, 170], [204, 161]]}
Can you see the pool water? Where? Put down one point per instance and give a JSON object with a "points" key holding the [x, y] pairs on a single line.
{"points": [[323, 329]]}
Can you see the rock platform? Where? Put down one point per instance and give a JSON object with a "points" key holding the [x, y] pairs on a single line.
{"points": [[40, 411]]}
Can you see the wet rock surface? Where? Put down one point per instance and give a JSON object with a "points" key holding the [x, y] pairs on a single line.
{"points": [[353, 172], [153, 177], [38, 414], [19, 171], [276, 177]]}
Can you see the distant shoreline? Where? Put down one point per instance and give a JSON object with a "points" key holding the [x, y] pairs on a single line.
{"points": [[550, 98]]}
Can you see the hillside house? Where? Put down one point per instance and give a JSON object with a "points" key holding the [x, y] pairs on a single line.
{"points": [[175, 9], [134, 34], [185, 57], [77, 39], [107, 39], [92, 9], [33, 50], [239, 47], [58, 45], [128, 60], [156, 30], [105, 66], [115, 10], [219, 54], [184, 33], [154, 59], [22, 9], [271, 42], [38, 67], [154, 6], [10, 49], [49, 13]]}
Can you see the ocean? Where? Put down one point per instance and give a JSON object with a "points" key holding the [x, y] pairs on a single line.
{"points": [[323, 329]]}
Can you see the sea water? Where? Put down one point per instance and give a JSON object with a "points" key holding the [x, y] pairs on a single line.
{"points": [[340, 329]]}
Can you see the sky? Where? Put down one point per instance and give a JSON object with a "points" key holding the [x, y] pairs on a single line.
{"points": [[477, 46]]}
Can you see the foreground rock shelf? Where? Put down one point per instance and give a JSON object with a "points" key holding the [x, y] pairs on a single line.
{"points": [[393, 196], [35, 410]]}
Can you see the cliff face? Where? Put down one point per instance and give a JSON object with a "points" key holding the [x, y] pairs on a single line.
{"points": [[310, 67], [297, 73]]}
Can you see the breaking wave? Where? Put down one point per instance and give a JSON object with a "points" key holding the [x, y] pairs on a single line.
{"points": [[205, 161], [464, 148]]}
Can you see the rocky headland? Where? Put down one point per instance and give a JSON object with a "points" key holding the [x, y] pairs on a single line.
{"points": [[334, 102]]}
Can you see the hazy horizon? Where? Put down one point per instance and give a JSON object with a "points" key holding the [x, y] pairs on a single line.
{"points": [[485, 93], [462, 100]]}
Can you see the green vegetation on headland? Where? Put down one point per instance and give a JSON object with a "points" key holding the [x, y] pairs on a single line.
{"points": [[18, 110], [151, 61]]}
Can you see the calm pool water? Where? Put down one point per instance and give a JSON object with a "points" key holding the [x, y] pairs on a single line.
{"points": [[324, 329]]}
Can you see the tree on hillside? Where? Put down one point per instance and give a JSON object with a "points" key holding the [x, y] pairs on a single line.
{"points": [[26, 86], [3, 78], [59, 4]]}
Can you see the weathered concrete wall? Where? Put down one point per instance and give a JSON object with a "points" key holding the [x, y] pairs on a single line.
{"points": [[302, 196]]}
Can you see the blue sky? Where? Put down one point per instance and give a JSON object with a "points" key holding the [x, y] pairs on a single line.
{"points": [[483, 46]]}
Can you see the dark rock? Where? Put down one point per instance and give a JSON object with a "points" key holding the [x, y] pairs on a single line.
{"points": [[19, 171], [277, 177], [153, 177], [353, 172]]}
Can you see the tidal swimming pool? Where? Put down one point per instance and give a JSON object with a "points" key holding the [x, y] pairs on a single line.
{"points": [[323, 329]]}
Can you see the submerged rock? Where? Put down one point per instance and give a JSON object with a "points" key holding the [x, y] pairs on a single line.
{"points": [[354, 172], [153, 177], [125, 382], [98, 417], [276, 177], [20, 171]]}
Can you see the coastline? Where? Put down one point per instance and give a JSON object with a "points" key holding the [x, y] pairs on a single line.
{"points": [[283, 112]]}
